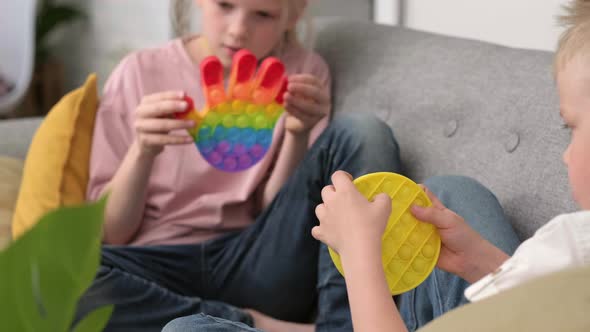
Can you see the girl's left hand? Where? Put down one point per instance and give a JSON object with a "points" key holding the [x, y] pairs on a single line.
{"points": [[307, 101]]}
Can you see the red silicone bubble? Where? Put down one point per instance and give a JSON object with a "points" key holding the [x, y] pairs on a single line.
{"points": [[269, 79], [281, 95], [243, 70], [212, 81], [190, 106]]}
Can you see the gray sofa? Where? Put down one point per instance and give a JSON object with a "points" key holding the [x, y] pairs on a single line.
{"points": [[456, 107]]}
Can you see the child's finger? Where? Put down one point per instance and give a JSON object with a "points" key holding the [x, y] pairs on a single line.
{"points": [[316, 232], [163, 140], [309, 91], [307, 106], [304, 78], [435, 201], [342, 181], [328, 192], [162, 125], [320, 211], [166, 95], [299, 114], [382, 201], [441, 218], [161, 109]]}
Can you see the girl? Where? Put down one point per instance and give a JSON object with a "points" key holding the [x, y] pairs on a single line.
{"points": [[181, 237]]}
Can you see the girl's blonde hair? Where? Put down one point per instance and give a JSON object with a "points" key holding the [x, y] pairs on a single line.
{"points": [[180, 11], [575, 40]]}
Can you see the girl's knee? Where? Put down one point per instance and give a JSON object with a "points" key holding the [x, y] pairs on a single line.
{"points": [[365, 125]]}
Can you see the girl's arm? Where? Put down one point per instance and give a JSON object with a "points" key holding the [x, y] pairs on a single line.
{"points": [[307, 101], [129, 186], [291, 153], [127, 195]]}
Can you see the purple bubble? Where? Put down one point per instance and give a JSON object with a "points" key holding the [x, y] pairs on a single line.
{"points": [[223, 147], [257, 151], [245, 161], [239, 149], [215, 158], [230, 164], [206, 147]]}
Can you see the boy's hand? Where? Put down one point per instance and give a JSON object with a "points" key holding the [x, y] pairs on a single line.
{"points": [[154, 122], [348, 221], [306, 103], [464, 252]]}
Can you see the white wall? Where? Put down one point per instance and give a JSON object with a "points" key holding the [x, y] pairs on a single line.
{"points": [[113, 29], [517, 23]]}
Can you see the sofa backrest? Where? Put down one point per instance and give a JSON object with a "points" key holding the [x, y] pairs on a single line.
{"points": [[458, 107]]}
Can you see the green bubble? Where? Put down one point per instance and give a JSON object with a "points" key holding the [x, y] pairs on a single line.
{"points": [[260, 122], [229, 121], [243, 121], [212, 119]]}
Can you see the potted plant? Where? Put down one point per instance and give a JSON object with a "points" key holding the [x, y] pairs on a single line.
{"points": [[46, 271]]}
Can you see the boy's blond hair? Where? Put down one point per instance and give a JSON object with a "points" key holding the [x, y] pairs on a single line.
{"points": [[575, 40]]}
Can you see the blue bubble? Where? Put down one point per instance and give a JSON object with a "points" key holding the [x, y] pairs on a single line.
{"points": [[219, 133], [233, 134]]}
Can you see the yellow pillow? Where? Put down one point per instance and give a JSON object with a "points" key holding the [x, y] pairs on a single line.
{"points": [[57, 164], [10, 175]]}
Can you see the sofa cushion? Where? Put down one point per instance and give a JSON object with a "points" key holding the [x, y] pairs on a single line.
{"points": [[56, 168], [458, 106], [10, 176], [557, 302]]}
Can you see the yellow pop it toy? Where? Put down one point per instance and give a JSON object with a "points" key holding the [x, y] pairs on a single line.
{"points": [[410, 247]]}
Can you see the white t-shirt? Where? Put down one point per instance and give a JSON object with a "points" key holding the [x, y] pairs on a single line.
{"points": [[562, 243]]}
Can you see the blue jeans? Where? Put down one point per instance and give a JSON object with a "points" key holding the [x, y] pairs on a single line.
{"points": [[440, 292], [443, 291], [274, 266]]}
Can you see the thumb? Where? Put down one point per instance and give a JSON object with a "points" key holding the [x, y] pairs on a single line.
{"points": [[383, 201], [431, 215], [316, 232]]}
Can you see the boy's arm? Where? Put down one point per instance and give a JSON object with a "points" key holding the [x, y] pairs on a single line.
{"points": [[371, 304]]}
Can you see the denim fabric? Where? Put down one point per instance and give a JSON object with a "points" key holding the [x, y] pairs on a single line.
{"points": [[274, 266], [202, 322], [443, 291], [440, 292]]}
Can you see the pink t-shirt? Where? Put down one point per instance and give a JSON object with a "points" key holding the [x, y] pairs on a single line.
{"points": [[188, 200]]}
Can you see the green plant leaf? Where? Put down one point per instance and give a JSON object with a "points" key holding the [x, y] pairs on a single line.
{"points": [[95, 321], [50, 17], [45, 272]]}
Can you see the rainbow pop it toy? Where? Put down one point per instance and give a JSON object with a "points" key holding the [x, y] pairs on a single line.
{"points": [[410, 247], [234, 130]]}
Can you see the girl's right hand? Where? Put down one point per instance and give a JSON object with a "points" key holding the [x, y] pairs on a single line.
{"points": [[464, 252], [155, 122]]}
